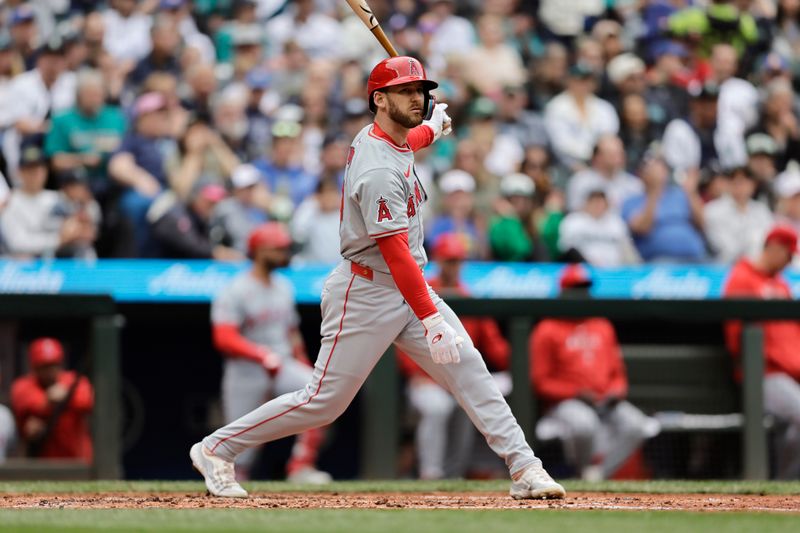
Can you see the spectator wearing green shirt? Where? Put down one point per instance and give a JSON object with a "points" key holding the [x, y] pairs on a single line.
{"points": [[85, 136], [720, 22], [513, 235]]}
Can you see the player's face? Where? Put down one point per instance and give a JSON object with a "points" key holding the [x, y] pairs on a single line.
{"points": [[272, 258], [405, 104]]}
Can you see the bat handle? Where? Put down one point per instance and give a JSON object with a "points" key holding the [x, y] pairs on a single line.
{"points": [[377, 31]]}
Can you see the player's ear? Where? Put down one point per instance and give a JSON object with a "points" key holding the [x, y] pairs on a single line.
{"points": [[376, 97]]}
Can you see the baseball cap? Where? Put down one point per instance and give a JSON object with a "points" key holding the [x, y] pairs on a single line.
{"points": [[482, 107], [623, 66], [761, 143], [247, 35], [258, 79], [456, 180], [703, 91], [581, 70], [575, 275], [211, 192], [449, 246], [783, 234], [286, 129], [355, 108], [773, 62], [171, 4], [32, 155], [245, 176], [72, 176], [149, 103], [23, 13], [669, 48], [517, 184], [54, 46], [45, 351], [787, 183]]}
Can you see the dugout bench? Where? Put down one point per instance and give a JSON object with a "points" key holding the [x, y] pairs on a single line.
{"points": [[693, 381]]}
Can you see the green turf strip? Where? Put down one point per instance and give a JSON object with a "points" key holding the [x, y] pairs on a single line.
{"points": [[653, 487], [389, 521]]}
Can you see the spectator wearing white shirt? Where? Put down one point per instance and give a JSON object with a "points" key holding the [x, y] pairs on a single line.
{"points": [[787, 189], [691, 144], [127, 35], [28, 227], [32, 97], [317, 34], [607, 173], [737, 106], [735, 224], [493, 64], [445, 32], [315, 226], [576, 118], [597, 233]]}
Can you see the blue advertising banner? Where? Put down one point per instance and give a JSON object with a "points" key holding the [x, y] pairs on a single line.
{"points": [[198, 281]]}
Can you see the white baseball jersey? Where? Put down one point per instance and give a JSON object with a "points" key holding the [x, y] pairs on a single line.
{"points": [[363, 315], [265, 314], [381, 196]]}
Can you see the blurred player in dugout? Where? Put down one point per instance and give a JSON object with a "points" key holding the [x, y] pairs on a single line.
{"points": [[444, 439], [761, 278], [579, 375], [52, 405], [255, 326]]}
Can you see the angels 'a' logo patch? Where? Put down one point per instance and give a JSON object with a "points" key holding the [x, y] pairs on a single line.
{"points": [[383, 210], [412, 68]]}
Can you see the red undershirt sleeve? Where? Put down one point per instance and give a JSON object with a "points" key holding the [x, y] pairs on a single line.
{"points": [[230, 342], [406, 274], [420, 137]]}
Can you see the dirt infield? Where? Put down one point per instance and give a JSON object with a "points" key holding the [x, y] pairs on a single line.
{"points": [[397, 500]]}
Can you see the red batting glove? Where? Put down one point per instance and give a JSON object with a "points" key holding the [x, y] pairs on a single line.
{"points": [[270, 362]]}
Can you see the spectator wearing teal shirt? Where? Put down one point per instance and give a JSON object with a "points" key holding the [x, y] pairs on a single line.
{"points": [[85, 136]]}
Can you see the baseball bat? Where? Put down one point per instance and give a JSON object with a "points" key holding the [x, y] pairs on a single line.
{"points": [[364, 12]]}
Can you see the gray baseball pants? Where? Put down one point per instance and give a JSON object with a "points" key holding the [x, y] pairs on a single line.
{"points": [[361, 318]]}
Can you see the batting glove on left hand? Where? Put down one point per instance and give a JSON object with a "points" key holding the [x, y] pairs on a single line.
{"points": [[443, 342], [440, 122]]}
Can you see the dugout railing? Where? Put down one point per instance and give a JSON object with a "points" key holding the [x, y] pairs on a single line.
{"points": [[381, 392], [100, 363]]}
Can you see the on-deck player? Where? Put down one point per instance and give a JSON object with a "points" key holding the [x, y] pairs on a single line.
{"points": [[255, 326], [378, 296]]}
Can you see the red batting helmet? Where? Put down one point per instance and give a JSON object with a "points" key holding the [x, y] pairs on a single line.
{"points": [[397, 71], [574, 276], [45, 351], [450, 246], [271, 234]]}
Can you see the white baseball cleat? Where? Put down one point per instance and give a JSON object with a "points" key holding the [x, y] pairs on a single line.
{"points": [[536, 483], [217, 472], [309, 476]]}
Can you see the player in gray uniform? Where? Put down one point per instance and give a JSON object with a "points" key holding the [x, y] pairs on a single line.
{"points": [[255, 326], [377, 296]]}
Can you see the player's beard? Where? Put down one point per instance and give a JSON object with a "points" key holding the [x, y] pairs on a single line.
{"points": [[407, 120]]}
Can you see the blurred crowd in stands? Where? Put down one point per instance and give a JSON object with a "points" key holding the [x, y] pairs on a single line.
{"points": [[609, 131]]}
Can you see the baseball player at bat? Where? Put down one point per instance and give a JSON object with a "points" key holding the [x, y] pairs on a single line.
{"points": [[377, 296], [255, 327]]}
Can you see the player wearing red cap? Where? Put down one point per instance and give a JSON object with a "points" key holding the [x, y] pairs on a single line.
{"points": [[578, 373], [255, 327], [51, 405], [761, 278], [377, 297], [441, 452]]}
